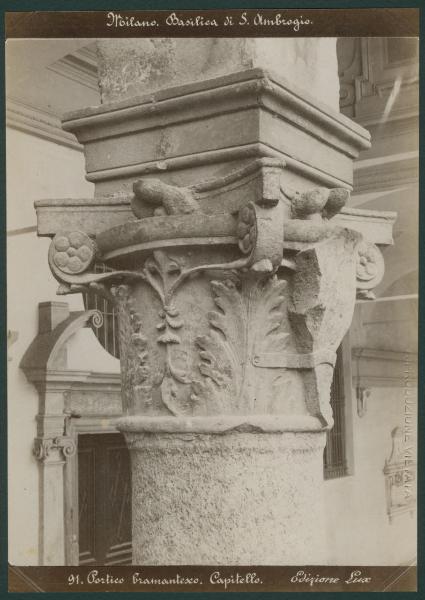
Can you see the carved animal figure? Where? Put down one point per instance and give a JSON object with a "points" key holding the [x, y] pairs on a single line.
{"points": [[167, 199], [337, 199], [317, 203]]}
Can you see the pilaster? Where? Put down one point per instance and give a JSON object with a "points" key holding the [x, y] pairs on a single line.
{"points": [[54, 449]]}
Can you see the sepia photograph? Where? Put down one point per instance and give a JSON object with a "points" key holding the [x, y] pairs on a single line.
{"points": [[212, 305]]}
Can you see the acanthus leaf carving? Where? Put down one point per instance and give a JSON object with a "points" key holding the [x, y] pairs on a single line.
{"points": [[143, 372], [270, 300], [248, 321]]}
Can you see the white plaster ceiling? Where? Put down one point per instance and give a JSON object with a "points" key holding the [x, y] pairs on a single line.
{"points": [[38, 76]]}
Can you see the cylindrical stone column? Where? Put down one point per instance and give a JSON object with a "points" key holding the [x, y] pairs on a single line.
{"points": [[241, 497]]}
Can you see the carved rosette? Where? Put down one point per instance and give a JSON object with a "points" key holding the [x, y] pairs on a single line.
{"points": [[370, 268], [240, 315], [71, 252]]}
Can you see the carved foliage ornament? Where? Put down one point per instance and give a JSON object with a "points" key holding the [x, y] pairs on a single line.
{"points": [[259, 231], [143, 373], [248, 321], [246, 330], [138, 378]]}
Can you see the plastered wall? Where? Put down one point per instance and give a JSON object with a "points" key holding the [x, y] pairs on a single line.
{"points": [[36, 168], [358, 526]]}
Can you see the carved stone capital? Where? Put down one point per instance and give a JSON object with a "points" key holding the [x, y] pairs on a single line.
{"points": [[233, 295], [52, 449]]}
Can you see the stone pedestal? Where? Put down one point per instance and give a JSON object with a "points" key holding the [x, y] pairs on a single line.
{"points": [[189, 110], [233, 268]]}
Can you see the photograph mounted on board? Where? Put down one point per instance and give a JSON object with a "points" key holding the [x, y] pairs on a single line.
{"points": [[212, 356]]}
